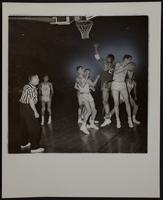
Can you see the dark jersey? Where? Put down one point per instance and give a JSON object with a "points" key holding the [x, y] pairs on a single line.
{"points": [[107, 73]]}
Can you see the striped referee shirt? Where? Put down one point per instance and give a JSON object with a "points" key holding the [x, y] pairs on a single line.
{"points": [[29, 92]]}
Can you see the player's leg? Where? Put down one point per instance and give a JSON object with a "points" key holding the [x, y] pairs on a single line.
{"points": [[135, 109], [105, 98], [83, 112], [79, 109], [93, 116], [49, 111], [124, 94], [43, 107], [23, 131], [87, 114], [113, 111], [115, 94]]}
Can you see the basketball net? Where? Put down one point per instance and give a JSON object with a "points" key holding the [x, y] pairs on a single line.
{"points": [[84, 26]]}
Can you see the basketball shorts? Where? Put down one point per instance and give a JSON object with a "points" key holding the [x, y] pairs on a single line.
{"points": [[118, 86], [80, 99], [45, 99], [106, 85], [86, 97]]}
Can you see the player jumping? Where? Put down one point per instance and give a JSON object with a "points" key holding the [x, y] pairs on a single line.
{"points": [[106, 81]]}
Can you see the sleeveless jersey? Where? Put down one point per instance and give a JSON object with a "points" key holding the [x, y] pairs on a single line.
{"points": [[85, 89], [45, 89], [120, 76], [107, 75]]}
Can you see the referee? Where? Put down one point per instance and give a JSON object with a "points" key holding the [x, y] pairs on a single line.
{"points": [[30, 127]]}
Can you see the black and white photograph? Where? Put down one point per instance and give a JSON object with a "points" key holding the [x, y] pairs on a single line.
{"points": [[81, 99], [78, 84]]}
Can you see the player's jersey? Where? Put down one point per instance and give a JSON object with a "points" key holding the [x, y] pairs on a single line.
{"points": [[45, 89], [120, 76], [85, 89], [106, 76], [108, 70]]}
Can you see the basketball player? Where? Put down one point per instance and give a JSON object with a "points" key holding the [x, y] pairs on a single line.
{"points": [[119, 88], [30, 127], [131, 85], [46, 93], [106, 80], [92, 84], [86, 99], [80, 75]]}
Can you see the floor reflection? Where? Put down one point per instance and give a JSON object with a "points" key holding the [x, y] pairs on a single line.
{"points": [[64, 136], [70, 139]]}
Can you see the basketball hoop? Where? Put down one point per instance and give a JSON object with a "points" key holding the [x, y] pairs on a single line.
{"points": [[84, 26]]}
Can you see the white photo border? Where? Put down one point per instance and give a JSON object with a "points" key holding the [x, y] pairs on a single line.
{"points": [[86, 175]]}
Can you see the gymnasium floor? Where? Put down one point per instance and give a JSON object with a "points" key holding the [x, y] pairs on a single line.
{"points": [[64, 136]]}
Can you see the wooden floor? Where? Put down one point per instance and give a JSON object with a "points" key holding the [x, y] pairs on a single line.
{"points": [[109, 139], [64, 136]]}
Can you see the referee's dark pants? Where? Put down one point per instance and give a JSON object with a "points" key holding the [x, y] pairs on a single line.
{"points": [[30, 127]]}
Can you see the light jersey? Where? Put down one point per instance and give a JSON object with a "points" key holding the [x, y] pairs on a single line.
{"points": [[45, 89], [85, 89], [120, 76]]}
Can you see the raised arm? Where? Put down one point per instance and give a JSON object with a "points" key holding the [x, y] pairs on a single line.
{"points": [[96, 49], [97, 55], [93, 83]]}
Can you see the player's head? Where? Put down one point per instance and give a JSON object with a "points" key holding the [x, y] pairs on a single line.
{"points": [[80, 69], [45, 78], [110, 58], [33, 79], [127, 58], [87, 72]]}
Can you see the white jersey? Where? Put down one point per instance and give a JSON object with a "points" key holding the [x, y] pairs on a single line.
{"points": [[85, 89], [120, 76]]}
